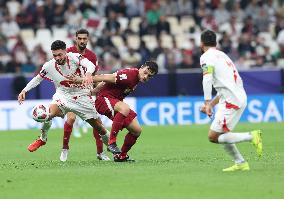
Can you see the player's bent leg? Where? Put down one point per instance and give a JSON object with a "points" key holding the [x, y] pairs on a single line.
{"points": [[122, 107], [71, 117], [54, 111], [232, 150], [99, 142], [213, 136], [43, 137], [122, 110], [130, 139], [100, 153], [97, 124], [68, 127]]}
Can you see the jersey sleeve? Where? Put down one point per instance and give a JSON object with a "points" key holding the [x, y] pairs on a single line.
{"points": [[33, 83], [207, 67], [93, 58], [87, 64], [126, 77]]}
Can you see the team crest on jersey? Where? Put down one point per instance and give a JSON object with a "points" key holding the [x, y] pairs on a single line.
{"points": [[43, 73], [122, 76]]}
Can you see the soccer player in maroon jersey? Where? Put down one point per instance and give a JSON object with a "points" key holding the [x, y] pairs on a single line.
{"points": [[110, 92], [82, 38]]}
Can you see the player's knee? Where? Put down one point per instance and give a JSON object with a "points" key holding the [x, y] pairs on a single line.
{"points": [[137, 131], [71, 119], [213, 140], [213, 137]]}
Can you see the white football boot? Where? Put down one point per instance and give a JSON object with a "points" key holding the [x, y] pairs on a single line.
{"points": [[102, 156], [64, 155]]}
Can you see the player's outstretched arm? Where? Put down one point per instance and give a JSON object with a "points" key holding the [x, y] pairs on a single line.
{"points": [[109, 78]]}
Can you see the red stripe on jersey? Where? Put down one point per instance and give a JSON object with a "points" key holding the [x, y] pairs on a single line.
{"points": [[68, 63], [58, 69], [80, 57], [46, 78], [231, 106], [235, 76], [225, 127]]}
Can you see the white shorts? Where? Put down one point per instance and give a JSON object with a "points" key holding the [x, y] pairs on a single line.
{"points": [[83, 105], [226, 118]]}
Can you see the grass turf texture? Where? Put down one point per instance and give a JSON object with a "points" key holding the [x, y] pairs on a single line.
{"points": [[171, 162]]}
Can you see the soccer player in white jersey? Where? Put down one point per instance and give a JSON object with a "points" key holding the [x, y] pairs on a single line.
{"points": [[68, 97], [220, 72]]}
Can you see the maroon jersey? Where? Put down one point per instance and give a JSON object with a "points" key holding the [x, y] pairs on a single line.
{"points": [[126, 81], [88, 54]]}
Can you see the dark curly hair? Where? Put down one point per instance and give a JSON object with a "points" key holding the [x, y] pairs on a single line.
{"points": [[208, 38], [153, 66], [58, 45], [82, 31]]}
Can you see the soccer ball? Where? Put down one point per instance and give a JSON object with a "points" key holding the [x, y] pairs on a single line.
{"points": [[40, 113]]}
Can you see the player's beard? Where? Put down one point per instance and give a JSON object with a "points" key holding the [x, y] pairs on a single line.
{"points": [[61, 62], [82, 47]]}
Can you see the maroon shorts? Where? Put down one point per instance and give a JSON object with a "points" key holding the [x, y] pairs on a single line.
{"points": [[105, 106]]}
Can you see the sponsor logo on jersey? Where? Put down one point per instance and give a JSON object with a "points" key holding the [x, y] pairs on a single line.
{"points": [[122, 76]]}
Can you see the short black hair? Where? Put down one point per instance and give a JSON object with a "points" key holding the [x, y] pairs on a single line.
{"points": [[58, 45], [152, 65], [82, 31], [208, 38]]}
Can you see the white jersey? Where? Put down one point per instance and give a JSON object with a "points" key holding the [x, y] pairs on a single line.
{"points": [[220, 71], [75, 66]]}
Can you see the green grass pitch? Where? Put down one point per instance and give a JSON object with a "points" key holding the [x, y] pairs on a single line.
{"points": [[171, 162]]}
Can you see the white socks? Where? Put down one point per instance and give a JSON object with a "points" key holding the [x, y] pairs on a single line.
{"points": [[228, 139], [44, 130], [231, 138], [233, 151]]}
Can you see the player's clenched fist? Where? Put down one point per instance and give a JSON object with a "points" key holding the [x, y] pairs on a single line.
{"points": [[22, 97], [207, 109]]}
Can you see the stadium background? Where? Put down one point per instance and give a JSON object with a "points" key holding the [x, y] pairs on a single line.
{"points": [[126, 33]]}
